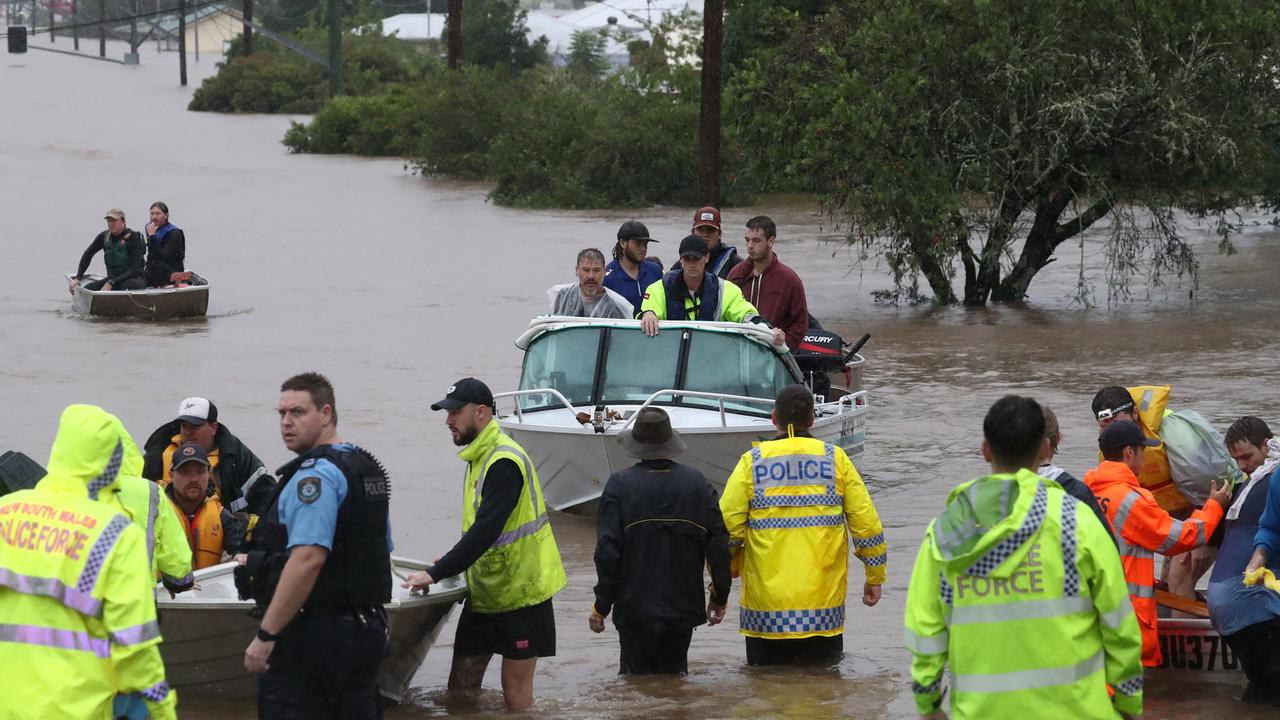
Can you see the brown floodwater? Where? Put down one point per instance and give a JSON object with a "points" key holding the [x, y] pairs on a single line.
{"points": [[394, 286]]}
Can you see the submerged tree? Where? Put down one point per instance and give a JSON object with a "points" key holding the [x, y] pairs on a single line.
{"points": [[980, 135]]}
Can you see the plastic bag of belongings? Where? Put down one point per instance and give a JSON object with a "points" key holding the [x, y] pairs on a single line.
{"points": [[1197, 454]]}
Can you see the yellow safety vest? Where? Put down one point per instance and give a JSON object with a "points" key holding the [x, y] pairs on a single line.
{"points": [[794, 501], [523, 566], [77, 606]]}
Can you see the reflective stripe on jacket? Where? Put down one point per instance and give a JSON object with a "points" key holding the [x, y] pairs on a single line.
{"points": [[1027, 604], [1144, 529], [77, 606], [523, 566], [794, 501], [140, 500]]}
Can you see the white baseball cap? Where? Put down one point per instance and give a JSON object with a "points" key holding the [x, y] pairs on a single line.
{"points": [[197, 411]]}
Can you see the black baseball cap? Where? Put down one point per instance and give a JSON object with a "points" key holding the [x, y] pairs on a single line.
{"points": [[1122, 434], [466, 390], [188, 452], [634, 230], [693, 246]]}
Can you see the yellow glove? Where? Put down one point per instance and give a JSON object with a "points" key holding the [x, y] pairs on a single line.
{"points": [[1264, 576]]}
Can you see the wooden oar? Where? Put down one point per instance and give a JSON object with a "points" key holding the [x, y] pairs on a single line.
{"points": [[1182, 604]]}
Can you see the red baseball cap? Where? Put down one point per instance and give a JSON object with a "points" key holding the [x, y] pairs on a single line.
{"points": [[707, 216]]}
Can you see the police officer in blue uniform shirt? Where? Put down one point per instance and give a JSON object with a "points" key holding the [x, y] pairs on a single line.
{"points": [[321, 569]]}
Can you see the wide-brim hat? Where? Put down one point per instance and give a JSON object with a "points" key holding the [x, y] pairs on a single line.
{"points": [[651, 437]]}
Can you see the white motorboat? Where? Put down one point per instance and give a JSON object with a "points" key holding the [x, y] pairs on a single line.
{"points": [[584, 380], [206, 632], [162, 303]]}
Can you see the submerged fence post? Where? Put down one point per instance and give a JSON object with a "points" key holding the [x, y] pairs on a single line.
{"points": [[182, 42]]}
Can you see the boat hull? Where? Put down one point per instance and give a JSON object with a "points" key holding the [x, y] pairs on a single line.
{"points": [[150, 304], [575, 463], [206, 632], [1194, 651]]}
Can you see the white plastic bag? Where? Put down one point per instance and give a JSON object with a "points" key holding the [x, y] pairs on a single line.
{"points": [[1197, 454]]}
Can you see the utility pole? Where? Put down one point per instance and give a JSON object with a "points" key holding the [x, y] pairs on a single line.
{"points": [[102, 28], [75, 24], [455, 33], [182, 42], [709, 116], [335, 48], [52, 22], [248, 26], [133, 29]]}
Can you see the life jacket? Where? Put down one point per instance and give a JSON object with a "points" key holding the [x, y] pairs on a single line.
{"points": [[357, 573], [115, 252], [706, 303], [523, 567], [204, 531], [1150, 402], [1142, 529], [795, 557]]}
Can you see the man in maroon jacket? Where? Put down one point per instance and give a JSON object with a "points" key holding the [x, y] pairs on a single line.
{"points": [[773, 288]]}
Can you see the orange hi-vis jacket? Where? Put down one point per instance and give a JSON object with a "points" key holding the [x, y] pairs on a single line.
{"points": [[1143, 529]]}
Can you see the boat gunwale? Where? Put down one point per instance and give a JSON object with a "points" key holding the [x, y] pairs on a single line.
{"points": [[145, 292], [455, 593]]}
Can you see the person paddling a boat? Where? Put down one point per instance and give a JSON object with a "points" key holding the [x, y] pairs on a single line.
{"points": [[122, 251]]}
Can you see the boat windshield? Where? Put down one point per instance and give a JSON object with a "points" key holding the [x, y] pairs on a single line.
{"points": [[635, 366]]}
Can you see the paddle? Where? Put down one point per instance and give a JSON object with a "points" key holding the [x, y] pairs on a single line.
{"points": [[1182, 604]]}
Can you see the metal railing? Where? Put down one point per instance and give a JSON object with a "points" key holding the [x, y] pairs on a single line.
{"points": [[516, 394], [720, 399]]}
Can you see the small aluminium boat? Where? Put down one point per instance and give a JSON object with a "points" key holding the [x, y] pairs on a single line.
{"points": [[583, 381], [163, 303], [206, 632]]}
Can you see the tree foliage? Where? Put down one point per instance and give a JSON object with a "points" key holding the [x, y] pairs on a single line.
{"points": [[974, 137], [494, 34], [586, 53]]}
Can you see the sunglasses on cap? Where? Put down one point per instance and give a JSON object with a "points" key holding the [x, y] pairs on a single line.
{"points": [[1111, 413]]}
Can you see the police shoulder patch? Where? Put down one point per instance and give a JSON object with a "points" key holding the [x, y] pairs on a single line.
{"points": [[308, 462], [309, 489]]}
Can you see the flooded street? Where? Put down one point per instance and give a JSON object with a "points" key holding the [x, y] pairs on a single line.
{"points": [[394, 286]]}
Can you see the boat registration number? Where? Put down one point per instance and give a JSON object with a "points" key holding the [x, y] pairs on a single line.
{"points": [[1203, 653], [850, 425]]}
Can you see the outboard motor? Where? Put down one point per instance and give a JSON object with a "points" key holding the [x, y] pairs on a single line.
{"points": [[18, 472], [820, 352]]}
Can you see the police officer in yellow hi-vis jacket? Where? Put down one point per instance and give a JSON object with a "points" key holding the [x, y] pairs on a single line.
{"points": [[1019, 589], [77, 611], [507, 550], [794, 501]]}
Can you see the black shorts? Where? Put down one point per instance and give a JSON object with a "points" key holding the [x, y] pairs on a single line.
{"points": [[519, 634]]}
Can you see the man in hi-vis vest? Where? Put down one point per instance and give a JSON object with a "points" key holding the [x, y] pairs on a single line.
{"points": [[507, 551]]}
